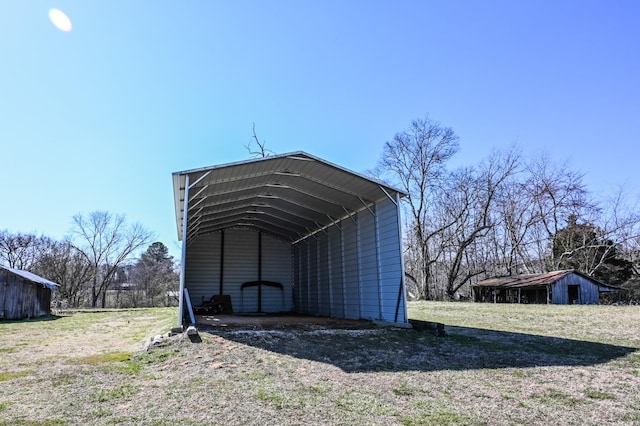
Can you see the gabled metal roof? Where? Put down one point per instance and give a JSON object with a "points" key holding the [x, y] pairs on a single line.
{"points": [[539, 280], [288, 196], [32, 277]]}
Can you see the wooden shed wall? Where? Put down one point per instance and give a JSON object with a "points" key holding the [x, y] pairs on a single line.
{"points": [[20, 298], [588, 293]]}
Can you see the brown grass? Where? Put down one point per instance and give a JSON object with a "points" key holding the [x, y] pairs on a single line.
{"points": [[498, 365]]}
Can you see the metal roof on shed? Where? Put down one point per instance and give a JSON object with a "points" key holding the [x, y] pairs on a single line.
{"points": [[539, 280], [32, 277], [288, 196]]}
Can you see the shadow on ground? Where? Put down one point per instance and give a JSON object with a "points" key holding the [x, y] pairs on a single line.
{"points": [[36, 319], [382, 349]]}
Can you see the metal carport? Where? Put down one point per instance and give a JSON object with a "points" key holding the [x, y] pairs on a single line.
{"points": [[322, 239]]}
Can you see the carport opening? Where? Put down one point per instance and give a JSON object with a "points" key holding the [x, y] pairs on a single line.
{"points": [[290, 234]]}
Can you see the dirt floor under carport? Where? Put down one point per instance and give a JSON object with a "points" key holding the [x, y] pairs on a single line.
{"points": [[278, 322]]}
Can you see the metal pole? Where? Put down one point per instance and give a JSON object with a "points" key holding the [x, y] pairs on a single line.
{"points": [[221, 262], [403, 285], [260, 272], [183, 262]]}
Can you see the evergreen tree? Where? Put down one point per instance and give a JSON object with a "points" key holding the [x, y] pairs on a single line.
{"points": [[584, 247]]}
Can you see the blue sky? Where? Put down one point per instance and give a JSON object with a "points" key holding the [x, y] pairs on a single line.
{"points": [[98, 118]]}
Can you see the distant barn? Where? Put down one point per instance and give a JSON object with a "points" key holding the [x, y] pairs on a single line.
{"points": [[23, 294], [568, 287]]}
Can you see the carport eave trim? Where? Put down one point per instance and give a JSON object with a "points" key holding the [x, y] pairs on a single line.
{"points": [[183, 260], [180, 182]]}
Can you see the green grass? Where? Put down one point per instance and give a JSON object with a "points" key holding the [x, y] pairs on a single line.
{"points": [[97, 359], [10, 375], [27, 422], [364, 403], [63, 379], [597, 394], [100, 412], [119, 392], [557, 397], [633, 418], [438, 418], [591, 323], [277, 399], [406, 390]]}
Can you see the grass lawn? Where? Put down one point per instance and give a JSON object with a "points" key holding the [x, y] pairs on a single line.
{"points": [[498, 365]]}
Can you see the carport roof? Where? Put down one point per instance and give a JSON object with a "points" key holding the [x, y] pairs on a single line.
{"points": [[288, 196]]}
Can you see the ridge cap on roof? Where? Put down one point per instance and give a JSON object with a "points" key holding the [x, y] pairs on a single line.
{"points": [[247, 161], [291, 154]]}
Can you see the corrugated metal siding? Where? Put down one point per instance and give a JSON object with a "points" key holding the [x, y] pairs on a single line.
{"points": [[3, 292], [337, 279], [202, 274], [324, 282], [369, 286], [295, 264], [302, 285], [308, 296], [240, 266], [588, 291], [276, 266], [390, 261], [354, 267], [313, 293], [351, 269]]}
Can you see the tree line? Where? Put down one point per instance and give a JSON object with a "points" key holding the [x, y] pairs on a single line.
{"points": [[505, 215], [96, 264]]}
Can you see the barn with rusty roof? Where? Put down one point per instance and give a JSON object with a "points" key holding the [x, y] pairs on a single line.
{"points": [[566, 287], [290, 233]]}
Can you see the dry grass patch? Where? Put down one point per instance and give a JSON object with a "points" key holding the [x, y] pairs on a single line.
{"points": [[499, 364]]}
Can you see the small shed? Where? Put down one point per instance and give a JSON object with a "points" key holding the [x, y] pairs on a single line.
{"points": [[567, 287], [290, 233], [24, 294]]}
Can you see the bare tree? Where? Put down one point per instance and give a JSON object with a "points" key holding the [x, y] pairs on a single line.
{"points": [[513, 240], [470, 204], [106, 242], [502, 216], [416, 160], [262, 151], [559, 193], [67, 267], [21, 251], [599, 246]]}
